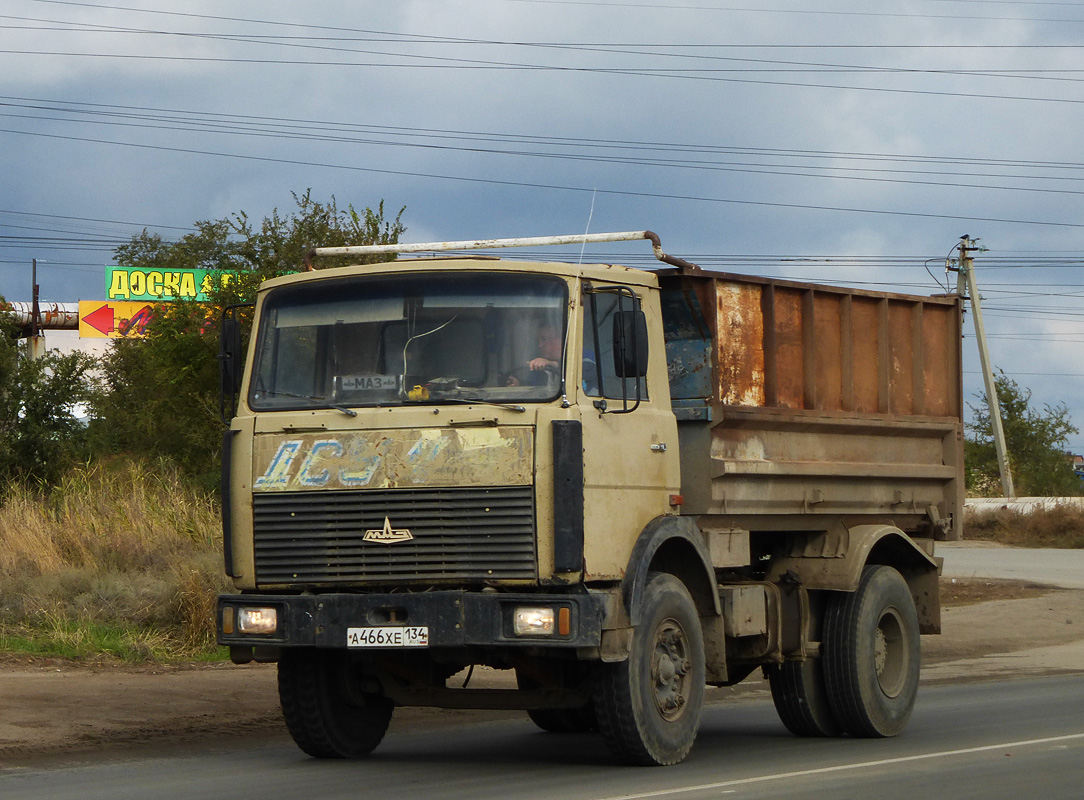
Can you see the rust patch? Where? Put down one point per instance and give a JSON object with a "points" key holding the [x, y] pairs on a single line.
{"points": [[740, 329]]}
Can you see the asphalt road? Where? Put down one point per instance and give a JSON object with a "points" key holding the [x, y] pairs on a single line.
{"points": [[995, 741], [1063, 568]]}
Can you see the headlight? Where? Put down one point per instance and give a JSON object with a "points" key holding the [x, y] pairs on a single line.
{"points": [[257, 620], [533, 621]]}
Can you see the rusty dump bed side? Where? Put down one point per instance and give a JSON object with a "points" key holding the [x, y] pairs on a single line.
{"points": [[803, 405]]}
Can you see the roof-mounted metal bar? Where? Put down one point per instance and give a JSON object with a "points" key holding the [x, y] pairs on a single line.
{"points": [[491, 244]]}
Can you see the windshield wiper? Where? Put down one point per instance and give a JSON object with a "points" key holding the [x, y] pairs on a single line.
{"points": [[348, 411], [483, 401]]}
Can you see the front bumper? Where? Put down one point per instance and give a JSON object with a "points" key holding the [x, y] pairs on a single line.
{"points": [[453, 618]]}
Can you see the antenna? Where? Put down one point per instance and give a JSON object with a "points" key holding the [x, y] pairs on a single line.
{"points": [[590, 215]]}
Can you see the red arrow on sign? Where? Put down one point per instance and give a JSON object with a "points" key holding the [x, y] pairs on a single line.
{"points": [[101, 319]]}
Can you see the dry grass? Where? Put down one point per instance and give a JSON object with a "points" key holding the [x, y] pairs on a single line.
{"points": [[1059, 526], [122, 553]]}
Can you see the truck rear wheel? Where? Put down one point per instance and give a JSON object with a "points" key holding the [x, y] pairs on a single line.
{"points": [[872, 654], [325, 712], [801, 699], [648, 706]]}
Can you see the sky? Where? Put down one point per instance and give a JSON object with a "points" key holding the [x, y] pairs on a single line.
{"points": [[832, 142]]}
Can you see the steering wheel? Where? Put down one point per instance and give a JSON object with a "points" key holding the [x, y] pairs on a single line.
{"points": [[525, 376]]}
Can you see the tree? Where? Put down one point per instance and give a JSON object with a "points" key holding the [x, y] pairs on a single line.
{"points": [[1035, 441], [160, 395], [40, 434]]}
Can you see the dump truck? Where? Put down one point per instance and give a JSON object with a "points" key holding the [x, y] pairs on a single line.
{"points": [[620, 485]]}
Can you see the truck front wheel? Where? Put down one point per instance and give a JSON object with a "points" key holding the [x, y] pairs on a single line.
{"points": [[325, 711], [648, 706], [872, 653]]}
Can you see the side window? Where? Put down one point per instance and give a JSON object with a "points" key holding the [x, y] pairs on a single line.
{"points": [[600, 379]]}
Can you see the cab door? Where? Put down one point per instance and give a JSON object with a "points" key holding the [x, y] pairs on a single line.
{"points": [[629, 431]]}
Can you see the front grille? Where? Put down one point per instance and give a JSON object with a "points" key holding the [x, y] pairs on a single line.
{"points": [[472, 533]]}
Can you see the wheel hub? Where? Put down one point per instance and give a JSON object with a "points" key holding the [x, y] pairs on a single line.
{"points": [[879, 652], [670, 667], [890, 657]]}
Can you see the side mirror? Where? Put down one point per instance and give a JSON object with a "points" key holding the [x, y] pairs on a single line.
{"points": [[630, 344], [230, 361], [229, 349]]}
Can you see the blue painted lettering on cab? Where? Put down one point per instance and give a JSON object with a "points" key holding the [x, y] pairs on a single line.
{"points": [[278, 471], [307, 478]]}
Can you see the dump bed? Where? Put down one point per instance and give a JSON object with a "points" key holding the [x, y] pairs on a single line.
{"points": [[801, 405]]}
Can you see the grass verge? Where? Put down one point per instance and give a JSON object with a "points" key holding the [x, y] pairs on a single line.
{"points": [[120, 560]]}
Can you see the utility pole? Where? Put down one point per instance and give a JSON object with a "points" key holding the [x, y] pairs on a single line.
{"points": [[966, 279], [35, 342]]}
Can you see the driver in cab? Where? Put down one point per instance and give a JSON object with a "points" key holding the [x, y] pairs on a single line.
{"points": [[541, 370]]}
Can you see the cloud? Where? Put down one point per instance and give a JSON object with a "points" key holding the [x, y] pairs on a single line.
{"points": [[738, 134]]}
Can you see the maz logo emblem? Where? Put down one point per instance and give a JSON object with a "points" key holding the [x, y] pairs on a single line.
{"points": [[387, 534]]}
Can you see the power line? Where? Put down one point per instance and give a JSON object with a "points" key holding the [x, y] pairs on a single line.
{"points": [[245, 122], [824, 172], [446, 62], [610, 3], [580, 189], [95, 219], [475, 63], [654, 50], [699, 165], [456, 64], [653, 47]]}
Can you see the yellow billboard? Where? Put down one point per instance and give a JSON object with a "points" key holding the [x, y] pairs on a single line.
{"points": [[113, 319]]}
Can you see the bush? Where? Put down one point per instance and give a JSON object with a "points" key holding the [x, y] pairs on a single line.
{"points": [[1060, 526], [1034, 439], [40, 436]]}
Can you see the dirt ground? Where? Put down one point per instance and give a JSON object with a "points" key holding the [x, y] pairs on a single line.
{"points": [[57, 709]]}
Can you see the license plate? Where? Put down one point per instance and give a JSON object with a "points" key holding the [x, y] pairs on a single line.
{"points": [[397, 636], [367, 383]]}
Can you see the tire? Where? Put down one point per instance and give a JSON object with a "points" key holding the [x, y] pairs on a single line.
{"points": [[872, 654], [325, 714], [648, 706], [801, 699]]}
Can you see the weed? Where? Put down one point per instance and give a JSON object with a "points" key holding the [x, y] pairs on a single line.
{"points": [[1060, 526], [120, 558]]}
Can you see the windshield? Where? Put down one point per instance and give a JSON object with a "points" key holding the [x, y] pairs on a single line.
{"points": [[394, 339]]}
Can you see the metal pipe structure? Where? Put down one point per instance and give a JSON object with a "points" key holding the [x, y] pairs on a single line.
{"points": [[51, 316], [492, 244]]}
